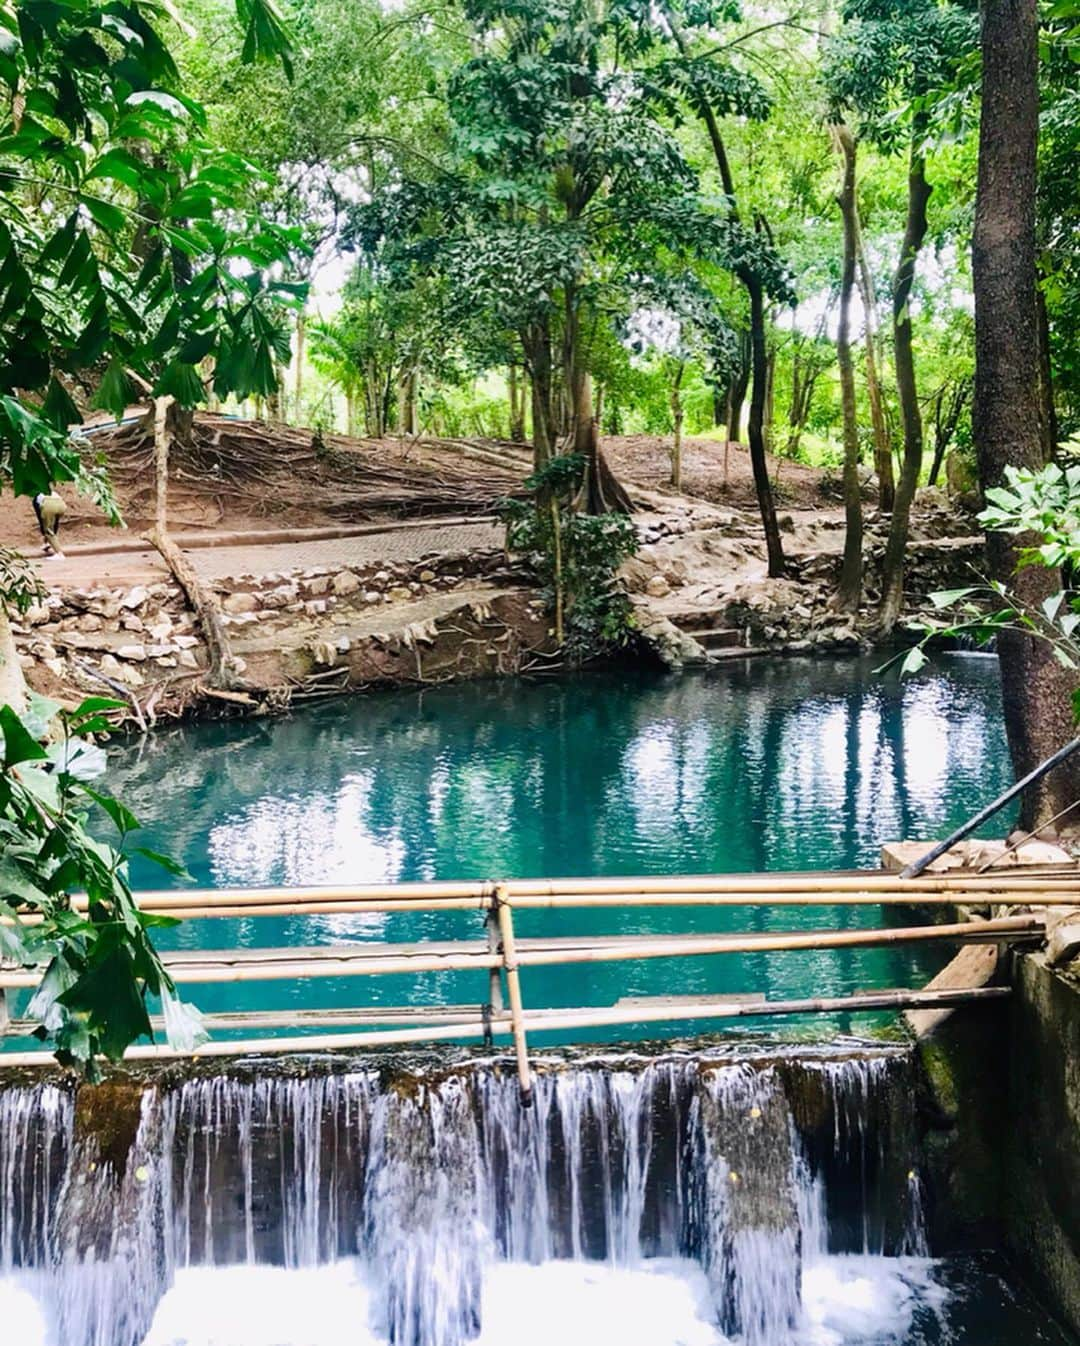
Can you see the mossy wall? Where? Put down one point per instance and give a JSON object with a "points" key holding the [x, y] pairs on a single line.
{"points": [[1041, 1155]]}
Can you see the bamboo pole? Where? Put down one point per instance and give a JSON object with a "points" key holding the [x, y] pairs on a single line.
{"points": [[555, 1020], [479, 896], [202, 967], [513, 991], [1034, 897]]}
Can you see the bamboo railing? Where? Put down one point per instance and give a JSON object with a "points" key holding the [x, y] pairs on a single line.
{"points": [[501, 956]]}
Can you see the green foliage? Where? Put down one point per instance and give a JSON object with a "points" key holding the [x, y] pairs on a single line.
{"points": [[100, 965], [1043, 506], [576, 556], [120, 247]]}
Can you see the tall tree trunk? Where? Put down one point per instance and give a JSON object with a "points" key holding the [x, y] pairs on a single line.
{"points": [[849, 591], [298, 378], [677, 424], [892, 583], [517, 406], [1006, 416], [740, 382], [758, 459], [883, 464], [12, 681], [759, 356], [537, 345], [601, 491], [770, 402], [1048, 412]]}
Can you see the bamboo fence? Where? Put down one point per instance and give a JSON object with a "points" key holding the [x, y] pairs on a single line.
{"points": [[501, 956]]}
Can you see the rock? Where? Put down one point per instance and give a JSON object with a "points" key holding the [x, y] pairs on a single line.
{"points": [[344, 645], [426, 576], [187, 659], [134, 598], [399, 593], [37, 614], [132, 623], [324, 653], [657, 587], [185, 642], [786, 523], [672, 647], [240, 603], [315, 607], [165, 661], [345, 583], [161, 630], [381, 577], [372, 596], [89, 622], [135, 653], [317, 585], [281, 597], [56, 667], [41, 649]]}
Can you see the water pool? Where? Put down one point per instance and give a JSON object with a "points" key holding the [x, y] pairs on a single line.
{"points": [[756, 765]]}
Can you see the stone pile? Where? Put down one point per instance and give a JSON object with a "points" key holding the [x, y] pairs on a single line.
{"points": [[76, 639]]}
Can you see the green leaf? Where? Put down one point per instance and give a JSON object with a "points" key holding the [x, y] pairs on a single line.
{"points": [[166, 862], [947, 598], [914, 660], [19, 745], [181, 381], [118, 165], [105, 215], [122, 817], [114, 390], [1052, 605], [159, 101]]}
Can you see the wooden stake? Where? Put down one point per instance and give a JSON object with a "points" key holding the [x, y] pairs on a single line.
{"points": [[513, 990]]}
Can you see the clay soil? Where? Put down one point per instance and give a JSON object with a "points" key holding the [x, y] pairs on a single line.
{"points": [[244, 476]]}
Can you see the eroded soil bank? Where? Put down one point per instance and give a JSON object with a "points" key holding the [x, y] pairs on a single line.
{"points": [[359, 566]]}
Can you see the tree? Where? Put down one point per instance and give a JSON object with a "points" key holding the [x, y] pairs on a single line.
{"points": [[714, 87], [1035, 687], [893, 58], [849, 590], [102, 195], [115, 267]]}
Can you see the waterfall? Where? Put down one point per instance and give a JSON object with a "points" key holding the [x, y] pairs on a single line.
{"points": [[751, 1170]]}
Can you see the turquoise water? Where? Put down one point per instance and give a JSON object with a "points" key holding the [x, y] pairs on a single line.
{"points": [[757, 765]]}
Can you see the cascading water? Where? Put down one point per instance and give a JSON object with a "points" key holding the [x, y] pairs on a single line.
{"points": [[425, 1207]]}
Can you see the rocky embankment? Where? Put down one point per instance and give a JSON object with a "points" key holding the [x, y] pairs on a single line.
{"points": [[699, 586]]}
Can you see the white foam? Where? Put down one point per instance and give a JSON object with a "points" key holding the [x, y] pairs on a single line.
{"points": [[23, 1319], [266, 1306], [864, 1299], [847, 1301], [661, 1303]]}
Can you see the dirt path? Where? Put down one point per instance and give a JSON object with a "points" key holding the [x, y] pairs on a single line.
{"points": [[438, 538]]}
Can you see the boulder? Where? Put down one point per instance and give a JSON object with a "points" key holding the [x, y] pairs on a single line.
{"points": [[132, 653], [657, 587], [672, 647], [345, 582], [239, 603]]}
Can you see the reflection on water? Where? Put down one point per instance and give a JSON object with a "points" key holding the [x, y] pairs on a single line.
{"points": [[758, 765], [765, 764]]}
